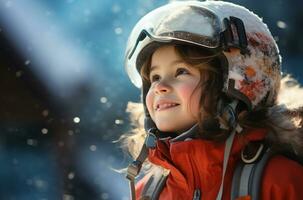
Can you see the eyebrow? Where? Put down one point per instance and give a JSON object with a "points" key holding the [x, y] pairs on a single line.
{"points": [[154, 67]]}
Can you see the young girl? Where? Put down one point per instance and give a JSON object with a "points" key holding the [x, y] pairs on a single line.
{"points": [[210, 76]]}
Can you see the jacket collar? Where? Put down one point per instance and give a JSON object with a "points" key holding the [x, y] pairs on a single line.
{"points": [[180, 156]]}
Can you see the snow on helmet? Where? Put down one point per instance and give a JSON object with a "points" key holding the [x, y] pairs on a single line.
{"points": [[250, 51]]}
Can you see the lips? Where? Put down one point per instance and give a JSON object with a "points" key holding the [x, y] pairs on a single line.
{"points": [[164, 104]]}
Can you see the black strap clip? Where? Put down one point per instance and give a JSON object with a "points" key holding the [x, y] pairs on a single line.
{"points": [[234, 35]]}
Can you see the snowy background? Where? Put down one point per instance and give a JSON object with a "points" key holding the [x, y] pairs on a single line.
{"points": [[64, 91]]}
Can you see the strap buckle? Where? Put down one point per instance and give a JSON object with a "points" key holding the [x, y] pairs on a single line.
{"points": [[151, 139], [133, 170], [253, 152]]}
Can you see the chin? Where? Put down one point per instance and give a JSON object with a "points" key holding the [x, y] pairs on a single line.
{"points": [[164, 127]]}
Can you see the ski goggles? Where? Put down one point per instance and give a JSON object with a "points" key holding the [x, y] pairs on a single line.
{"points": [[177, 22]]}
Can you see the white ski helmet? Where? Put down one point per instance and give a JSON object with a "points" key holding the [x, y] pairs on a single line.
{"points": [[251, 53]]}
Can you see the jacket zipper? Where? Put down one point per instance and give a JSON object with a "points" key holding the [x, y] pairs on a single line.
{"points": [[197, 194]]}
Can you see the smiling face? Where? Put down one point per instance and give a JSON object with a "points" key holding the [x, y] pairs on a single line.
{"points": [[174, 94]]}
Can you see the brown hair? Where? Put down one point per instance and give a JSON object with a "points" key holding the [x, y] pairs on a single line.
{"points": [[211, 84]]}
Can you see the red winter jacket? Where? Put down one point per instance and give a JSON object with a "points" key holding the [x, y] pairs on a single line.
{"points": [[198, 164]]}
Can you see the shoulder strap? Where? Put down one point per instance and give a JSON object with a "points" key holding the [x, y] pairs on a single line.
{"points": [[155, 183], [134, 168], [247, 177]]}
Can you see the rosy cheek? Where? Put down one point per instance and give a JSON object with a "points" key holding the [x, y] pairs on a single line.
{"points": [[185, 91], [149, 101], [195, 101], [190, 96]]}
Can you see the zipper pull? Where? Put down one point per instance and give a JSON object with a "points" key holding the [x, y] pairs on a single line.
{"points": [[197, 194]]}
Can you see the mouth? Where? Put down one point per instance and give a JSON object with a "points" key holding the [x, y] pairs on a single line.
{"points": [[165, 106]]}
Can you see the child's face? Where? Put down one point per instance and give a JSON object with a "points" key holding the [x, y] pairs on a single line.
{"points": [[172, 100]]}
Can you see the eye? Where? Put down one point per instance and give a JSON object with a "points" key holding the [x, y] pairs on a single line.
{"points": [[154, 78], [181, 71]]}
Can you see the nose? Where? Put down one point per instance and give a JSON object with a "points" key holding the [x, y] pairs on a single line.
{"points": [[162, 87]]}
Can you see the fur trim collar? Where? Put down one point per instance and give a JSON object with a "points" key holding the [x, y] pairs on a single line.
{"points": [[287, 117]]}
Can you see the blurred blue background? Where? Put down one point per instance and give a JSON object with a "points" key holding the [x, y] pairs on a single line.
{"points": [[64, 91]]}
